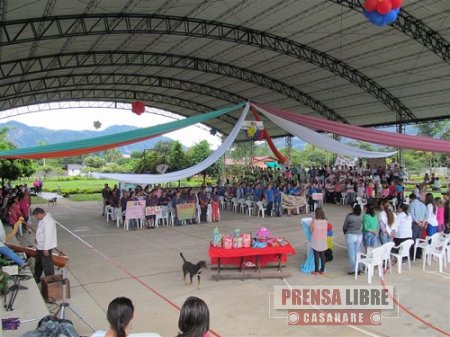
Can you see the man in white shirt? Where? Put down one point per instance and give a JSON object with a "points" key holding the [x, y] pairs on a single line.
{"points": [[45, 242]]}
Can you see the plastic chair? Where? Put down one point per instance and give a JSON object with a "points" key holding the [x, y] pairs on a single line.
{"points": [[222, 202], [343, 197], [163, 216], [241, 203], [387, 255], [423, 243], [235, 204], [261, 208], [436, 249], [250, 207], [361, 202], [109, 213], [118, 216], [403, 252], [209, 213], [370, 261]]}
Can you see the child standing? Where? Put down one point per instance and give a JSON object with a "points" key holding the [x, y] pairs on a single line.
{"points": [[319, 227]]}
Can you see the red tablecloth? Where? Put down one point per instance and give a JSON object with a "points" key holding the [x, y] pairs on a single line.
{"points": [[233, 256]]}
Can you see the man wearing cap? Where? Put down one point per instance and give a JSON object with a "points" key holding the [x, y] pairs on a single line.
{"points": [[45, 242], [446, 212]]}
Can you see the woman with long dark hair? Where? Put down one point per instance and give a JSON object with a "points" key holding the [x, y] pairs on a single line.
{"points": [[194, 318], [120, 314], [353, 235], [387, 222], [432, 223]]}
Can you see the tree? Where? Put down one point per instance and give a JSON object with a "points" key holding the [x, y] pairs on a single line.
{"points": [[94, 162], [112, 155], [177, 158], [13, 169], [440, 130], [200, 152]]}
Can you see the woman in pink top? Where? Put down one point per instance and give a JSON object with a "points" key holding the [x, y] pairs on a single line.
{"points": [[319, 244]]}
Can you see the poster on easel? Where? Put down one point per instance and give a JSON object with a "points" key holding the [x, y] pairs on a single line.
{"points": [[135, 209], [152, 210], [186, 211]]}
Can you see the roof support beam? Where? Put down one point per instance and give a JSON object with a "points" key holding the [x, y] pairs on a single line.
{"points": [[12, 69], [28, 87], [21, 31], [118, 95], [414, 28]]}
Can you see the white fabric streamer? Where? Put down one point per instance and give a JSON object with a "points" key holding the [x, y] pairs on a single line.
{"points": [[145, 179], [322, 141]]}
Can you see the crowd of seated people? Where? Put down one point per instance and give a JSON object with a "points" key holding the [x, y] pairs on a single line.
{"points": [[15, 202], [167, 198]]}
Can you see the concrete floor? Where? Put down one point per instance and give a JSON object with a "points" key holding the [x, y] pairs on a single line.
{"points": [[144, 265]]}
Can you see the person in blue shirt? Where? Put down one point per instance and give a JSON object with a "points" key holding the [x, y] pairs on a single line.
{"points": [[419, 214], [313, 188], [268, 195], [276, 200], [258, 193]]}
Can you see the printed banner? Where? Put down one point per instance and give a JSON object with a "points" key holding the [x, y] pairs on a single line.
{"points": [[185, 211], [292, 201], [135, 209], [152, 210]]}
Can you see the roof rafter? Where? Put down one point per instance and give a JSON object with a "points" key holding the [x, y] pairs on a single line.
{"points": [[20, 31], [118, 95], [79, 60]]}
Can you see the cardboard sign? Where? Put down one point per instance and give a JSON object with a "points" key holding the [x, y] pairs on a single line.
{"points": [[152, 210], [186, 211], [135, 209]]}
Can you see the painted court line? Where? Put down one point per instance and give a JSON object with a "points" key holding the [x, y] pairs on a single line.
{"points": [[134, 277]]}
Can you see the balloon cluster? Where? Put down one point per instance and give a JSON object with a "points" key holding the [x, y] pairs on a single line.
{"points": [[382, 12], [213, 131]]}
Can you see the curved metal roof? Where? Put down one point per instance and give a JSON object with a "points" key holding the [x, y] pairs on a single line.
{"points": [[318, 57]]}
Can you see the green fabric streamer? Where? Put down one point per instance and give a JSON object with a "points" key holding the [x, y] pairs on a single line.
{"points": [[121, 137]]}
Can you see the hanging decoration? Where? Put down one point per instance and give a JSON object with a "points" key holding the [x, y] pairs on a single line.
{"points": [[138, 107], [213, 131], [254, 129], [382, 12], [97, 125]]}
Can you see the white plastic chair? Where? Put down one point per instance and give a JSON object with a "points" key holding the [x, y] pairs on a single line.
{"points": [[371, 260], [235, 204], [241, 203], [423, 243], [361, 202], [109, 213], [118, 216], [222, 202], [261, 208], [343, 197], [436, 249], [393, 202], [387, 255], [209, 213], [163, 216], [403, 251], [250, 208]]}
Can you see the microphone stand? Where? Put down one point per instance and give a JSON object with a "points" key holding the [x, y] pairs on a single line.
{"points": [[60, 313]]}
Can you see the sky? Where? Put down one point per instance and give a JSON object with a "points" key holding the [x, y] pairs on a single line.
{"points": [[84, 118]]}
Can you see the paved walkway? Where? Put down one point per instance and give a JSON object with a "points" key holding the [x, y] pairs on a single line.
{"points": [[106, 262]]}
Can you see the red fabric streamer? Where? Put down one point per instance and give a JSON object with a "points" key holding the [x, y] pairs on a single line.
{"points": [[395, 140], [281, 159]]}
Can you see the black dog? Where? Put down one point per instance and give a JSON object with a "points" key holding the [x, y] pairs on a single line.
{"points": [[192, 269], [52, 201]]}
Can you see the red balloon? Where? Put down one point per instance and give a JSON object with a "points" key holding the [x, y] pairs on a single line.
{"points": [[138, 107], [384, 7], [370, 5], [396, 3]]}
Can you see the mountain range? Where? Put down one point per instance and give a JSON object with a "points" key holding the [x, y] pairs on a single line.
{"points": [[24, 136]]}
